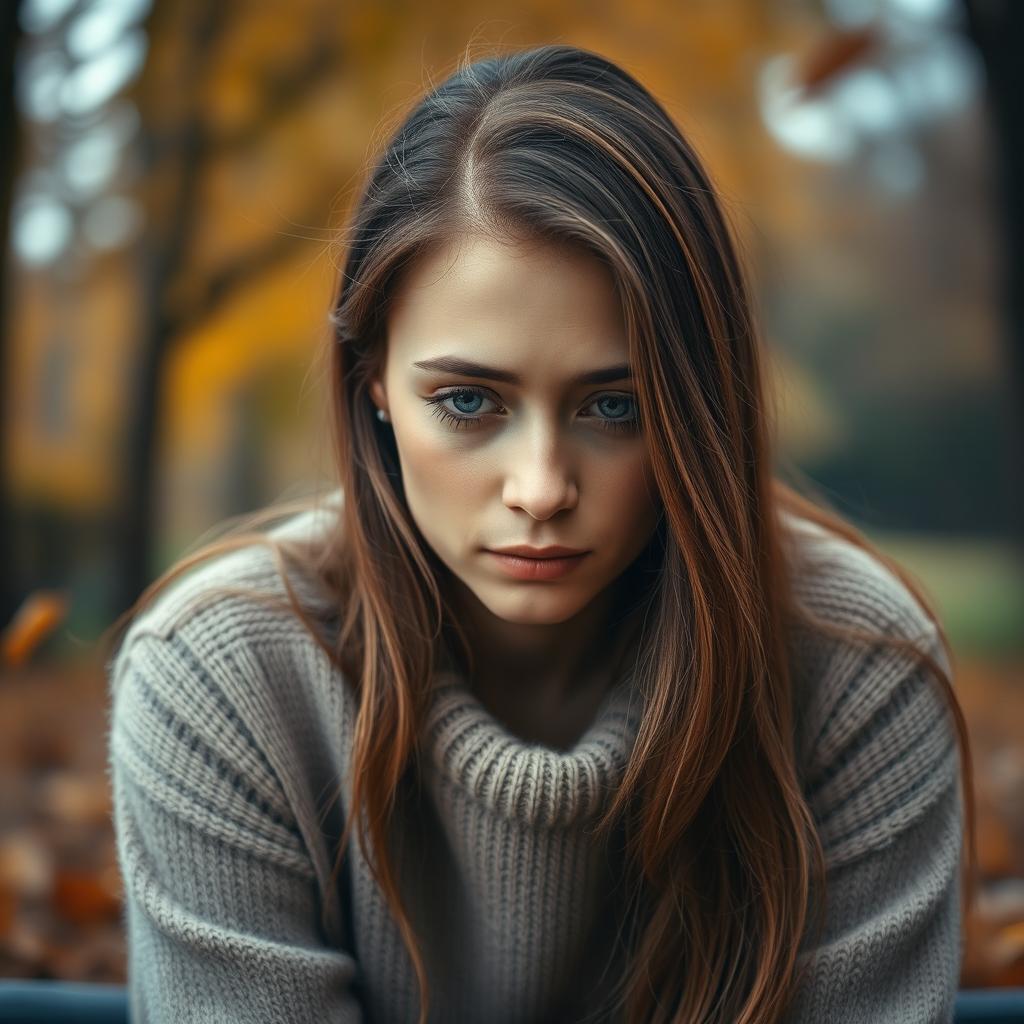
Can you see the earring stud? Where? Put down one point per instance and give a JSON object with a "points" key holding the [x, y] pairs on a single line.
{"points": [[382, 416]]}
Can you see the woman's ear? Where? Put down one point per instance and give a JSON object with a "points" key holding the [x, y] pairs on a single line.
{"points": [[378, 394]]}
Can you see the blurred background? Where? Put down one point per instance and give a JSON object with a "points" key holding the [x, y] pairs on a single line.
{"points": [[170, 177]]}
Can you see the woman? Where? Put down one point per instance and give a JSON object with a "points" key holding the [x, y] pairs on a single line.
{"points": [[701, 766]]}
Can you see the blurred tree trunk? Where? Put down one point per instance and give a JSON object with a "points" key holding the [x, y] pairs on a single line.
{"points": [[10, 150], [166, 247], [997, 29], [184, 153]]}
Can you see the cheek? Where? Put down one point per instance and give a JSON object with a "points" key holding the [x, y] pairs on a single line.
{"points": [[628, 494], [438, 474]]}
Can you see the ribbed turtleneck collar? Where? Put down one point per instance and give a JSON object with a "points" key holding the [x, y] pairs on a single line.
{"points": [[524, 781]]}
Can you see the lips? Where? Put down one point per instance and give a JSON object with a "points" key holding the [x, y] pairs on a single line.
{"points": [[552, 551], [531, 567]]}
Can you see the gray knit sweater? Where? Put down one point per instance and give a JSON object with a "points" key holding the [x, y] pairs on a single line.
{"points": [[229, 739]]}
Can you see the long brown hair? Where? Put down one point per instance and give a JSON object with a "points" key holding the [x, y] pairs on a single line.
{"points": [[558, 143]]}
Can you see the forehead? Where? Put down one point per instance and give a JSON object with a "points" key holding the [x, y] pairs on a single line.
{"points": [[522, 305]]}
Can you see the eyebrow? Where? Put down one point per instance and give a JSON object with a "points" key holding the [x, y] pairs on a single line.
{"points": [[466, 368]]}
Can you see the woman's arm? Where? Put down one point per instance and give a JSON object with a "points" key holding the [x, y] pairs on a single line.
{"points": [[221, 901], [886, 795]]}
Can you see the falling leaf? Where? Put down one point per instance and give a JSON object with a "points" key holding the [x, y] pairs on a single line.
{"points": [[40, 613], [837, 52]]}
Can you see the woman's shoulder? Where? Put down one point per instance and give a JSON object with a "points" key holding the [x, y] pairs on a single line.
{"points": [[218, 663], [241, 590], [847, 585], [872, 725], [226, 630]]}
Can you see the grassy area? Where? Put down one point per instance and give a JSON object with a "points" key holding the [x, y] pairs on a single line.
{"points": [[978, 587]]}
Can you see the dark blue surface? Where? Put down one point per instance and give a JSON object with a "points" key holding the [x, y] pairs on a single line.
{"points": [[28, 1002], [992, 1005], [25, 1002]]}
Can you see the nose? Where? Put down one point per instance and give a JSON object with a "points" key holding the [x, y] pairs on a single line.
{"points": [[540, 479]]}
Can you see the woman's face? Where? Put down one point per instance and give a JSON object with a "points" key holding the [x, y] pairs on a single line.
{"points": [[536, 458]]}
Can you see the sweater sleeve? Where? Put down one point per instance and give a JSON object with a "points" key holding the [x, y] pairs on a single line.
{"points": [[884, 789], [221, 905]]}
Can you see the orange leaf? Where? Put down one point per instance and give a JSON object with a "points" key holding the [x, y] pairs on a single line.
{"points": [[40, 613], [836, 53]]}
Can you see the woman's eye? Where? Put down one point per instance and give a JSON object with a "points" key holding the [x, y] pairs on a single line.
{"points": [[467, 402], [463, 407], [618, 412]]}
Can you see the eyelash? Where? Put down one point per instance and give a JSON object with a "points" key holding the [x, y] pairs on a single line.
{"points": [[461, 421]]}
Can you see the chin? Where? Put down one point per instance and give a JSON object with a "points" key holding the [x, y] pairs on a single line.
{"points": [[533, 606]]}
